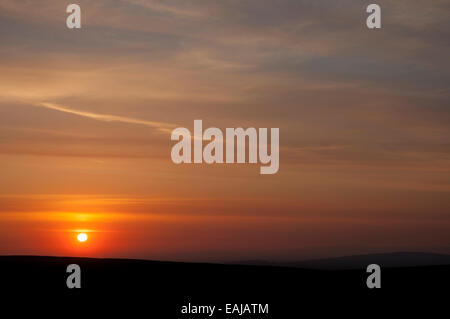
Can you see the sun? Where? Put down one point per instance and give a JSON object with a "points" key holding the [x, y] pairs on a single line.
{"points": [[82, 237]]}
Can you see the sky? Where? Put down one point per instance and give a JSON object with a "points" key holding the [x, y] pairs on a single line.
{"points": [[86, 115]]}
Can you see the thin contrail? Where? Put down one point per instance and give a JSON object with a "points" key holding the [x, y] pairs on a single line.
{"points": [[161, 126]]}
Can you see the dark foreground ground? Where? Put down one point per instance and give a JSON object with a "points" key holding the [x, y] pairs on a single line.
{"points": [[148, 289]]}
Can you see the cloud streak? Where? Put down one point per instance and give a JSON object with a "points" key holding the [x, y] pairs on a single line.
{"points": [[161, 126]]}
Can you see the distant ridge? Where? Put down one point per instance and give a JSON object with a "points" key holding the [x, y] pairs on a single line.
{"points": [[390, 260], [394, 259]]}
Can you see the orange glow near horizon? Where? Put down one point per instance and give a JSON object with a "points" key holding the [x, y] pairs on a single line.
{"points": [[178, 229]]}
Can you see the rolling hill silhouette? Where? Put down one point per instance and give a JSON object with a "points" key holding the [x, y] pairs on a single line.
{"points": [[394, 259], [160, 289]]}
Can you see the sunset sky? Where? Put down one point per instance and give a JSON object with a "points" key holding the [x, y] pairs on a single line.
{"points": [[85, 120]]}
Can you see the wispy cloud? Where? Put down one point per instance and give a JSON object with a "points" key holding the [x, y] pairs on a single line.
{"points": [[161, 126], [174, 8]]}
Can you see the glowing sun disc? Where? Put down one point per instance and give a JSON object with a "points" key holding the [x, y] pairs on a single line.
{"points": [[82, 237]]}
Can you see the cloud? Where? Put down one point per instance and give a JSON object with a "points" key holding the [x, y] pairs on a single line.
{"points": [[161, 126], [175, 8]]}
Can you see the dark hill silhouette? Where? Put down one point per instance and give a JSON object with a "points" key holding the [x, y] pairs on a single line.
{"points": [[391, 260], [159, 289]]}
